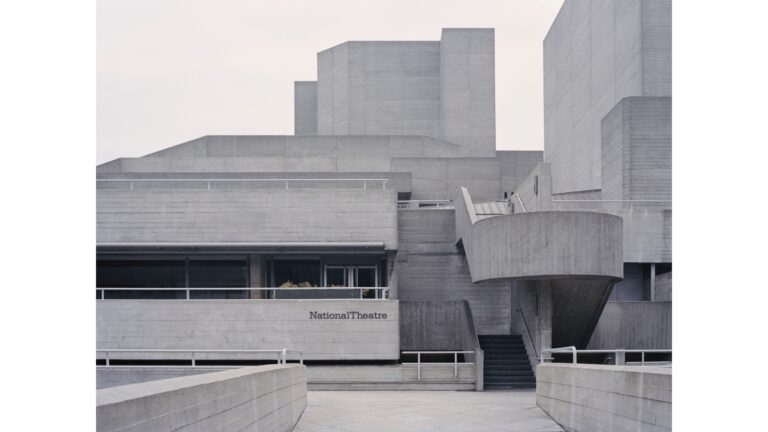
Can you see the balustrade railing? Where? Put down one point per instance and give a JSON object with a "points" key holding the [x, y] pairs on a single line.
{"points": [[225, 183], [619, 355], [456, 363], [281, 356], [239, 293]]}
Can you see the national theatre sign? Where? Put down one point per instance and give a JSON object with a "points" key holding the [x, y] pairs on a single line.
{"points": [[349, 315]]}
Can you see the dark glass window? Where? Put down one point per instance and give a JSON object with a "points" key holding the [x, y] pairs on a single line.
{"points": [[218, 274], [297, 272], [336, 276], [140, 274], [366, 277]]}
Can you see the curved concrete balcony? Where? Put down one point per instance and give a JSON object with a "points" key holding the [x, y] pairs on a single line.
{"points": [[540, 245]]}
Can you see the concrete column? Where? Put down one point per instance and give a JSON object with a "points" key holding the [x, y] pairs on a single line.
{"points": [[256, 275], [545, 317], [514, 327], [479, 369]]}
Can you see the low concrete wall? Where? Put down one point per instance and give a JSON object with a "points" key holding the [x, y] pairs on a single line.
{"points": [[339, 330], [390, 377], [606, 398], [240, 215], [437, 325], [541, 244], [634, 325], [264, 398]]}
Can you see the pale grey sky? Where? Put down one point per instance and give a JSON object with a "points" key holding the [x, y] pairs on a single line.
{"points": [[173, 70]]}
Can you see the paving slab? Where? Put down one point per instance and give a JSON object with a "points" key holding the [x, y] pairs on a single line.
{"points": [[413, 411]]}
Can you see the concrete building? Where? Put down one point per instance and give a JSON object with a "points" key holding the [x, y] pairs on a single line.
{"points": [[389, 224]]}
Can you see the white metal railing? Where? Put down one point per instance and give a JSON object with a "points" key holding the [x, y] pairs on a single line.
{"points": [[520, 200], [528, 332], [455, 362], [429, 204], [616, 201], [380, 293], [281, 355], [216, 183], [619, 354]]}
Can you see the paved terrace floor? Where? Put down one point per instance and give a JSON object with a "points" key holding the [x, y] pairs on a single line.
{"points": [[406, 411]]}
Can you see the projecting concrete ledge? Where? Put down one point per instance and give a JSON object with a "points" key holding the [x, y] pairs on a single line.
{"points": [[265, 398], [540, 245]]}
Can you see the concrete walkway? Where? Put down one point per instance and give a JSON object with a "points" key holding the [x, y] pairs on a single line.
{"points": [[400, 411]]}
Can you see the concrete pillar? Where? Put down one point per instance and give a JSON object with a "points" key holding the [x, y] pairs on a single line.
{"points": [[545, 317], [256, 275], [479, 369]]}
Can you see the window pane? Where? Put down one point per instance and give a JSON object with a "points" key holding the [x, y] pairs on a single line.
{"points": [[140, 274], [218, 274], [297, 273], [334, 277], [366, 277]]}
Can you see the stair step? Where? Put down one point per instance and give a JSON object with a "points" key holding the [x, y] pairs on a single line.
{"points": [[517, 380], [502, 348], [499, 336], [508, 387], [511, 372]]}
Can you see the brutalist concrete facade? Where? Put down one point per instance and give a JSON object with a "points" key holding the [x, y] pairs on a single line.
{"points": [[392, 189]]}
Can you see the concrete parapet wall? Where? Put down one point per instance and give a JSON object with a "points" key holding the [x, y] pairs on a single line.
{"points": [[634, 325], [263, 398], [437, 325], [250, 325], [190, 216], [598, 398], [379, 377], [543, 245]]}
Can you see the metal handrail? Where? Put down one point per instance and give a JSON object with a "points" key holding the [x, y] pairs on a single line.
{"points": [[282, 354], [384, 290], [574, 353], [287, 181], [630, 201], [432, 204], [455, 362], [520, 200], [528, 332]]}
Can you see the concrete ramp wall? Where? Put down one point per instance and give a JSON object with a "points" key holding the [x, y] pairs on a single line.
{"points": [[263, 398], [598, 398]]}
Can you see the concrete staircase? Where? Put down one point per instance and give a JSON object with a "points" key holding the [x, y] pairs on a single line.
{"points": [[506, 363]]}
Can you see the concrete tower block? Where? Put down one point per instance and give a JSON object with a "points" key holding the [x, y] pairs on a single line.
{"points": [[468, 104], [596, 53], [305, 107]]}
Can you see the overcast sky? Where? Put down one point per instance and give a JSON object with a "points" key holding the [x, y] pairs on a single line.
{"points": [[173, 70]]}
